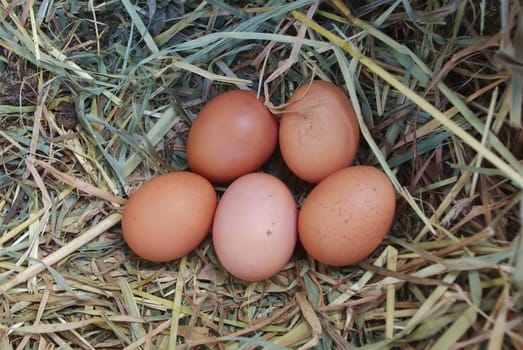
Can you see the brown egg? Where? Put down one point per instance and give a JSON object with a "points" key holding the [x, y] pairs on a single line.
{"points": [[233, 134], [319, 131], [169, 216], [346, 216], [254, 229]]}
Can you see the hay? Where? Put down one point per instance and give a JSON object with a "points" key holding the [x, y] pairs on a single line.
{"points": [[97, 97]]}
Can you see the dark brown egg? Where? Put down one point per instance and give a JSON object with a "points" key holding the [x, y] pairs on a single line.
{"points": [[234, 134]]}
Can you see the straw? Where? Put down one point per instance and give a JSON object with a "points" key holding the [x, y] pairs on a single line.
{"points": [[98, 97]]}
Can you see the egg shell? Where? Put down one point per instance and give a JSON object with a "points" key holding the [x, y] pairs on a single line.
{"points": [[347, 215], [255, 227], [319, 131], [169, 216], [234, 134]]}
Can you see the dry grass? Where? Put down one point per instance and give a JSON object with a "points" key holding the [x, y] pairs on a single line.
{"points": [[97, 97]]}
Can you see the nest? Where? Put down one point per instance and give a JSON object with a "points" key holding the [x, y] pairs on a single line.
{"points": [[98, 97]]}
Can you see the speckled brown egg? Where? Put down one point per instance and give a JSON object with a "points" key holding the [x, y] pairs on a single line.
{"points": [[255, 227], [347, 215], [234, 134], [319, 131], [169, 216]]}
